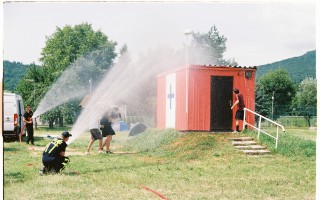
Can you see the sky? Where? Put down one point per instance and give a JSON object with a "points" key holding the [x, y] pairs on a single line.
{"points": [[257, 33]]}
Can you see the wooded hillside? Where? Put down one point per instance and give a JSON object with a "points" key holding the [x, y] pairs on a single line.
{"points": [[297, 67], [13, 72]]}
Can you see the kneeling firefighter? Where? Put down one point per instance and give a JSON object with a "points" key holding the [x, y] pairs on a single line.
{"points": [[53, 157]]}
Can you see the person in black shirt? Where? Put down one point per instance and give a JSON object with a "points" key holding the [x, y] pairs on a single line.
{"points": [[53, 157], [27, 118], [106, 127]]}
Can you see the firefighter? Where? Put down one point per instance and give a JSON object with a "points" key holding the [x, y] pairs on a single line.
{"points": [[53, 158]]}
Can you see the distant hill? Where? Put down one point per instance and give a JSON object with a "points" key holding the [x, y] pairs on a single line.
{"points": [[13, 72], [297, 67]]}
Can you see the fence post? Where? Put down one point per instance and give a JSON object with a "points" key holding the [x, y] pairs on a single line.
{"points": [[244, 118], [277, 137], [259, 127]]}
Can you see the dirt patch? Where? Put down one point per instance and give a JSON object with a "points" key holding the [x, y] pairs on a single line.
{"points": [[36, 150], [123, 152], [75, 153]]}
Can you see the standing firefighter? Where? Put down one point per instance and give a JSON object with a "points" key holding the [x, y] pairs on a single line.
{"points": [[53, 157], [106, 126], [27, 118], [241, 106], [95, 134]]}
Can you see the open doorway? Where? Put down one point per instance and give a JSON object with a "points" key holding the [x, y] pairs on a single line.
{"points": [[221, 101]]}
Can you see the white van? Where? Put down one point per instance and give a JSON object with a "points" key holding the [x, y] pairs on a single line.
{"points": [[13, 111]]}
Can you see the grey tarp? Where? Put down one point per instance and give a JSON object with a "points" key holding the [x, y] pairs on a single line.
{"points": [[138, 127]]}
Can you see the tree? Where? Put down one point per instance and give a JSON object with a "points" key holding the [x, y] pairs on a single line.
{"points": [[305, 100], [124, 57], [307, 94], [69, 43], [277, 83], [208, 48], [32, 86], [50, 117], [90, 50], [263, 103]]}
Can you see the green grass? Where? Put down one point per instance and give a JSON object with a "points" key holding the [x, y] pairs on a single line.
{"points": [[292, 143], [177, 165], [296, 121]]}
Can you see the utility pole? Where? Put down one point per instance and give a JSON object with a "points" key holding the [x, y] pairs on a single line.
{"points": [[90, 85], [187, 32], [272, 102]]}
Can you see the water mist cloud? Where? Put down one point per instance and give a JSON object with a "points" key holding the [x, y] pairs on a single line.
{"points": [[72, 84], [124, 82]]}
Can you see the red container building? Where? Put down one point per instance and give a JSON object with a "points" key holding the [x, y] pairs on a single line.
{"points": [[199, 98]]}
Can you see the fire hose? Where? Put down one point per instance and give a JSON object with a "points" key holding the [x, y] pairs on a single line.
{"points": [[149, 189]]}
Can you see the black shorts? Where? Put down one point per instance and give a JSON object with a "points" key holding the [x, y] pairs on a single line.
{"points": [[95, 134], [56, 164], [108, 130], [239, 114]]}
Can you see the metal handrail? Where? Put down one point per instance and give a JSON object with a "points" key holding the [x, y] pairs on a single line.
{"points": [[259, 125]]}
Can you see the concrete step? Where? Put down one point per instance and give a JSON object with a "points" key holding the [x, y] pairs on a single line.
{"points": [[246, 147], [243, 143], [250, 147], [256, 152], [241, 139], [257, 147]]}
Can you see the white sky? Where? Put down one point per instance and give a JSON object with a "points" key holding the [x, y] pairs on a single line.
{"points": [[257, 33]]}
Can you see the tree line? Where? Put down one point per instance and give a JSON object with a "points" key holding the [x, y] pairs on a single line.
{"points": [[277, 94]]}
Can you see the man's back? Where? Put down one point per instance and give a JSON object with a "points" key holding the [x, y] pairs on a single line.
{"points": [[241, 105], [55, 147]]}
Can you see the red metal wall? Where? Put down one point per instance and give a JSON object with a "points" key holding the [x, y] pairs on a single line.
{"points": [[199, 83]]}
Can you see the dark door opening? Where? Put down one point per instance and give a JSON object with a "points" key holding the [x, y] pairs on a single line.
{"points": [[221, 101]]}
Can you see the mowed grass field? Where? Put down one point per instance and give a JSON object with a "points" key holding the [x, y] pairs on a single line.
{"points": [[166, 165]]}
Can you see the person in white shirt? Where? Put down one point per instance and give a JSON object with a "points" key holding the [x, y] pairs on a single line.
{"points": [[94, 126]]}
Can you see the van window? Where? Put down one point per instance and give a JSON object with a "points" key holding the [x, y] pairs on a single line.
{"points": [[8, 108]]}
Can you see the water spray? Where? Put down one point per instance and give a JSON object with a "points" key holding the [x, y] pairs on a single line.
{"points": [[122, 83]]}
